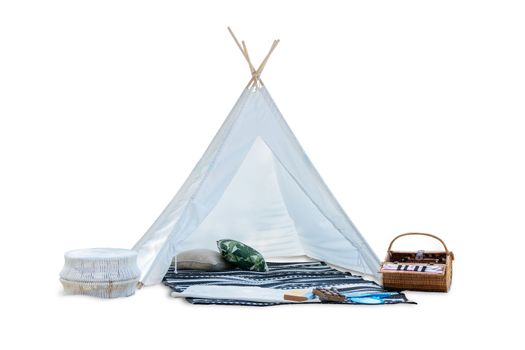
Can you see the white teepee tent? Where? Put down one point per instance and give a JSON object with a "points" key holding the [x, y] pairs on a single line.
{"points": [[255, 184]]}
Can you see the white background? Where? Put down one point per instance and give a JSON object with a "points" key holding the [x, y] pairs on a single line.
{"points": [[411, 110]]}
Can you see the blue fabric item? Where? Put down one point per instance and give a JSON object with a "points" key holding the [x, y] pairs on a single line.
{"points": [[367, 298], [367, 301]]}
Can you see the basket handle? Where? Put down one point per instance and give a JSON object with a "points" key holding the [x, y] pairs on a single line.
{"points": [[419, 234]]}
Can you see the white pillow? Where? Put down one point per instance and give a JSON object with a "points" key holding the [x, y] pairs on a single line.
{"points": [[201, 259]]}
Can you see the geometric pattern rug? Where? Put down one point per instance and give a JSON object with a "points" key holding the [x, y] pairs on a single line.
{"points": [[294, 275]]}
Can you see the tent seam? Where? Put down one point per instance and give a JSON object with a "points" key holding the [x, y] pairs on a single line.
{"points": [[212, 163]]}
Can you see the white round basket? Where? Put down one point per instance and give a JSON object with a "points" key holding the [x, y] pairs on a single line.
{"points": [[101, 272]]}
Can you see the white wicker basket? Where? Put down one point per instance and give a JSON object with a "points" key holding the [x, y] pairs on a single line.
{"points": [[101, 272]]}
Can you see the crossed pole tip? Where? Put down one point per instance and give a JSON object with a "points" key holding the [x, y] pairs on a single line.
{"points": [[256, 73]]}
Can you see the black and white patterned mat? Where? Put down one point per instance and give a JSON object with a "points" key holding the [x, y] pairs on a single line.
{"points": [[296, 275]]}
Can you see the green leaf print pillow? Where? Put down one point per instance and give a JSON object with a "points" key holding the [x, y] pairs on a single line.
{"points": [[241, 255]]}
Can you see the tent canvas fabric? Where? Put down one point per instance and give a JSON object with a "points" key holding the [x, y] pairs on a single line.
{"points": [[255, 184]]}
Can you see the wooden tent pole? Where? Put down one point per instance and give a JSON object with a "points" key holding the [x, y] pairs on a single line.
{"points": [[245, 54], [252, 68], [257, 76], [263, 63], [236, 41]]}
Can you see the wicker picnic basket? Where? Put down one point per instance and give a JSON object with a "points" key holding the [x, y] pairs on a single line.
{"points": [[410, 280]]}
